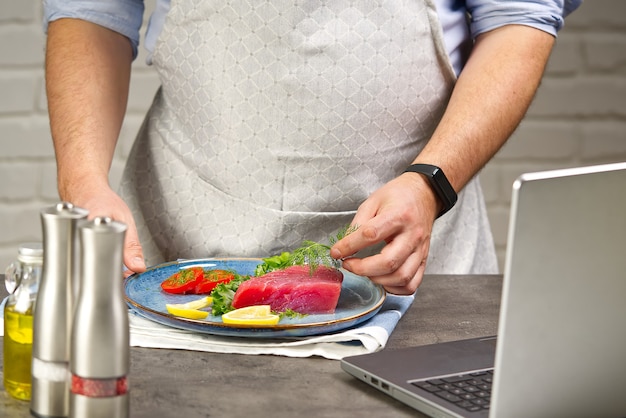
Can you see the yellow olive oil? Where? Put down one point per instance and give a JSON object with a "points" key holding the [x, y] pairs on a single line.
{"points": [[18, 347]]}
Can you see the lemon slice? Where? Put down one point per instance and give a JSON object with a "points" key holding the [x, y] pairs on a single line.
{"points": [[251, 315], [191, 309]]}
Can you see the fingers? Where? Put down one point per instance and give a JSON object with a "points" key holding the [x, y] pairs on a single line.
{"points": [[398, 252], [400, 277], [365, 236], [133, 254], [411, 286]]}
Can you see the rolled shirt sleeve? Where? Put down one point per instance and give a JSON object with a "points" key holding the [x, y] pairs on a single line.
{"points": [[122, 16], [545, 15]]}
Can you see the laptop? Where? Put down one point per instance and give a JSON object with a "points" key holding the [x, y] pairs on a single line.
{"points": [[561, 344]]}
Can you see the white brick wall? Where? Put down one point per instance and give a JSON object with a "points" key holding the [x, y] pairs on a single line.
{"points": [[578, 117], [579, 114]]}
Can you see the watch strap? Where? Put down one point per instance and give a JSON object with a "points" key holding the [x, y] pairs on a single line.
{"points": [[438, 182]]}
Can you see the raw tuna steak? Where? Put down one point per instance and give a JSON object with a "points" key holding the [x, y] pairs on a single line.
{"points": [[292, 288]]}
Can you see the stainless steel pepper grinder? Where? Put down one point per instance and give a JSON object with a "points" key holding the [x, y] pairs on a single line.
{"points": [[100, 342], [53, 309]]}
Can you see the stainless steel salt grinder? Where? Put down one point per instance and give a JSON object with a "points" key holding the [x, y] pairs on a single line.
{"points": [[100, 342], [53, 311]]}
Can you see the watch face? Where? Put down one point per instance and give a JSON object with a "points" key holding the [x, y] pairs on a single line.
{"points": [[446, 187]]}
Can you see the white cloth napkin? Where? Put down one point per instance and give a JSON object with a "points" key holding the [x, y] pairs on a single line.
{"points": [[367, 337]]}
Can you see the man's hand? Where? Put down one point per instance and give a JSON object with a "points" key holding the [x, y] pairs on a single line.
{"points": [[401, 213], [102, 201]]}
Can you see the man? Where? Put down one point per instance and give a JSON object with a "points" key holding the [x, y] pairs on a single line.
{"points": [[275, 121]]}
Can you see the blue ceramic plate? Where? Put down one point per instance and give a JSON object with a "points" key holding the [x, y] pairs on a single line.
{"points": [[359, 300]]}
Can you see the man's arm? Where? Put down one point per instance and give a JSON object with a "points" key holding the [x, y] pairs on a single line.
{"points": [[491, 96], [87, 81], [489, 100]]}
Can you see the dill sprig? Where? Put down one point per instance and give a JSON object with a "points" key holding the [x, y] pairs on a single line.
{"points": [[315, 254]]}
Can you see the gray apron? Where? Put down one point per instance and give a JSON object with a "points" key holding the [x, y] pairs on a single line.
{"points": [[275, 120]]}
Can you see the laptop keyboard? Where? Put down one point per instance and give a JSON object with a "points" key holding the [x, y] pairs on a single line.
{"points": [[471, 391]]}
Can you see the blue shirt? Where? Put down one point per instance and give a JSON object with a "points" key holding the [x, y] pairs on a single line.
{"points": [[126, 16]]}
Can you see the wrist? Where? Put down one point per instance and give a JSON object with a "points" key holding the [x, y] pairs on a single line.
{"points": [[79, 188], [439, 184]]}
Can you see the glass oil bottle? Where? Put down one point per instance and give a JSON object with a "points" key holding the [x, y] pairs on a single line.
{"points": [[22, 281]]}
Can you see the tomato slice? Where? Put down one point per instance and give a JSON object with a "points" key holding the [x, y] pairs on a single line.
{"points": [[183, 281], [212, 278]]}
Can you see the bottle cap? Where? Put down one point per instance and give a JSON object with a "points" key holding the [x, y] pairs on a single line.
{"points": [[30, 253]]}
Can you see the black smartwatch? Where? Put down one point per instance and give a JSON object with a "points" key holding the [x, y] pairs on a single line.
{"points": [[439, 182]]}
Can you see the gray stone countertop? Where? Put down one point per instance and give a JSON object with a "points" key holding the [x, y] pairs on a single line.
{"points": [[187, 384]]}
